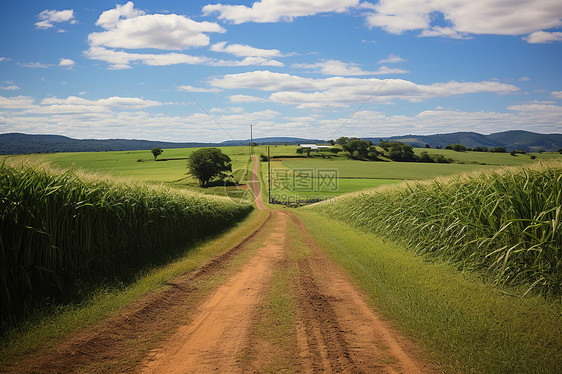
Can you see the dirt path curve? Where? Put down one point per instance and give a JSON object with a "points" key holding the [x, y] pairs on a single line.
{"points": [[336, 331]]}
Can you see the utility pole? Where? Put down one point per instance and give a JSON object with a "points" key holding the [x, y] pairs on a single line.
{"points": [[268, 176], [251, 140]]}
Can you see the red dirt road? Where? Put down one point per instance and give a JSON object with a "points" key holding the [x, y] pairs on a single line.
{"points": [[231, 325], [336, 331]]}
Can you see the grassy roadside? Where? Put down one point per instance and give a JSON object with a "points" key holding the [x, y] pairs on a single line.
{"points": [[45, 330], [464, 324]]}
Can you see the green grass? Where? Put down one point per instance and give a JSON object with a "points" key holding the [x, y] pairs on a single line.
{"points": [[60, 228], [462, 323], [125, 164], [489, 158], [505, 224]]}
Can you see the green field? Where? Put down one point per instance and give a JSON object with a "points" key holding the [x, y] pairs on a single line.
{"points": [[140, 166], [301, 180], [288, 184]]}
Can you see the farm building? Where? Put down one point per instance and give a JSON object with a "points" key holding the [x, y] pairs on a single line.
{"points": [[314, 147]]}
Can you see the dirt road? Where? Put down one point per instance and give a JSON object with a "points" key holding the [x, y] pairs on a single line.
{"points": [[335, 330], [274, 304]]}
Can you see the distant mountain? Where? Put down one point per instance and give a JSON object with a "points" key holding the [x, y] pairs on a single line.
{"points": [[16, 143], [511, 140], [271, 141]]}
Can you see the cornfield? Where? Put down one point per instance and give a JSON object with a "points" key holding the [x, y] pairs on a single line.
{"points": [[58, 228], [506, 223]]}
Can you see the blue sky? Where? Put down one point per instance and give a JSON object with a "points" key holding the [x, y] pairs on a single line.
{"points": [[206, 70]]}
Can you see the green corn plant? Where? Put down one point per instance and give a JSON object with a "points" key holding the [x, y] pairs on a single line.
{"points": [[505, 224]]}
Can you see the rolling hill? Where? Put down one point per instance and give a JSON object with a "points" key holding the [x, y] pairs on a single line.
{"points": [[17, 143]]}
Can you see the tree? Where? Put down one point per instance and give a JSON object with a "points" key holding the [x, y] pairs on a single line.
{"points": [[208, 163], [156, 152], [401, 152], [342, 140], [457, 147], [357, 148]]}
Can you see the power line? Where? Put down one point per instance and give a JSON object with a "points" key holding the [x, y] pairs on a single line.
{"points": [[367, 100], [192, 98]]}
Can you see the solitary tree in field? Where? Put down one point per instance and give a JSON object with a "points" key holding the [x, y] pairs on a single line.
{"points": [[208, 163], [156, 152]]}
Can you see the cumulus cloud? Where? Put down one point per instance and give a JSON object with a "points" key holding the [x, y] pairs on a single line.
{"points": [[335, 67], [391, 59], [160, 31], [121, 117], [17, 102], [463, 18], [48, 17], [66, 63], [122, 59], [110, 18], [276, 10], [341, 91], [189, 88], [130, 28], [10, 86], [539, 37], [242, 50], [246, 99]]}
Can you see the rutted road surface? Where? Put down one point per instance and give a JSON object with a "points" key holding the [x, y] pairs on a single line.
{"points": [[327, 326], [336, 332]]}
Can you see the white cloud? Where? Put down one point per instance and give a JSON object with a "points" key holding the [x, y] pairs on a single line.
{"points": [[128, 28], [115, 101], [335, 67], [391, 59], [48, 17], [246, 99], [496, 17], [4, 59], [122, 60], [341, 91], [160, 31], [110, 18], [17, 102], [34, 65], [524, 79], [277, 10], [10, 87], [231, 109], [197, 89], [242, 50], [557, 94], [248, 61], [122, 117], [444, 32], [66, 63], [538, 37]]}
